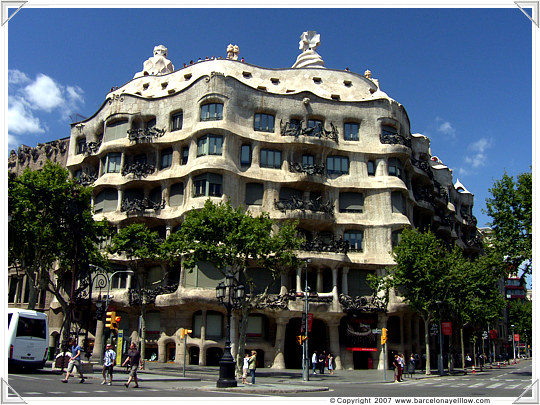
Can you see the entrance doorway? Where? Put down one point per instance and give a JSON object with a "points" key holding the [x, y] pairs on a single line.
{"points": [[317, 340]]}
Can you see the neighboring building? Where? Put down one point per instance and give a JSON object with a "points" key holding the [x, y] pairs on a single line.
{"points": [[514, 288], [322, 146]]}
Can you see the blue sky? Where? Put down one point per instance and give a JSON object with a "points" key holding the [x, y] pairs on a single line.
{"points": [[464, 75]]}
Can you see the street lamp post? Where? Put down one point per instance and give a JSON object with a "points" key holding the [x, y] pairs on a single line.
{"points": [[235, 295], [101, 278], [305, 357], [513, 342]]}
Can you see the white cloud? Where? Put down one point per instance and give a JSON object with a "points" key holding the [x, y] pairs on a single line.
{"points": [[17, 77], [21, 119], [445, 127], [13, 142], [479, 157], [44, 93], [31, 100]]}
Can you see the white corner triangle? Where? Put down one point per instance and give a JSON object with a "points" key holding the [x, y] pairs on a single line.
{"points": [[10, 4], [6, 397], [529, 400], [530, 4]]}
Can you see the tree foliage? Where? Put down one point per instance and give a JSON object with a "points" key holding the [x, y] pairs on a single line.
{"points": [[140, 245], [510, 207], [232, 239], [520, 315], [51, 227]]}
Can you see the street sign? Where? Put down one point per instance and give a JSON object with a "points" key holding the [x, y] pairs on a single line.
{"points": [[434, 329], [446, 328], [376, 331], [484, 335], [516, 337], [309, 322]]}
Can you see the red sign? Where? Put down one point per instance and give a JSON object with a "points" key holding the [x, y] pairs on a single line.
{"points": [[516, 337], [446, 328], [361, 349], [493, 334], [309, 322]]}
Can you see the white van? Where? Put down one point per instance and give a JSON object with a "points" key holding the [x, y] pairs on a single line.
{"points": [[27, 338]]}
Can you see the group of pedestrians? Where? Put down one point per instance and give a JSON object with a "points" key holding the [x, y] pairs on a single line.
{"points": [[322, 361], [250, 365], [133, 361], [400, 365]]}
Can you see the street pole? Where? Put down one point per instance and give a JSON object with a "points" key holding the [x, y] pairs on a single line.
{"points": [[513, 343], [305, 359], [384, 360], [185, 348], [441, 362]]}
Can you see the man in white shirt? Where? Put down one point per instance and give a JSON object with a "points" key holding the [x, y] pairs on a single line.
{"points": [[314, 360], [109, 361]]}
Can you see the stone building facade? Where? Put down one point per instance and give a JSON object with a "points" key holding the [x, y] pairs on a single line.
{"points": [[322, 146]]}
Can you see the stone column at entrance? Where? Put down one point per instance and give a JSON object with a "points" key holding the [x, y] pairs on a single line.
{"points": [[279, 345], [202, 351], [299, 279], [333, 327], [383, 320], [283, 289], [344, 281], [320, 280], [98, 348]]}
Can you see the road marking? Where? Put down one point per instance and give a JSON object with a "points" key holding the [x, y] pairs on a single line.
{"points": [[79, 392], [32, 393], [27, 376], [494, 385], [511, 387]]}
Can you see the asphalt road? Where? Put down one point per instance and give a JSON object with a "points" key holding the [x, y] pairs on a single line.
{"points": [[509, 382]]}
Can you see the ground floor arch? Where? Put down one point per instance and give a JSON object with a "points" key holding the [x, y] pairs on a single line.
{"points": [[317, 340]]}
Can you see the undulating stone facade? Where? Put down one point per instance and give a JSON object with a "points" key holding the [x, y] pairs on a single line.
{"points": [[322, 146]]}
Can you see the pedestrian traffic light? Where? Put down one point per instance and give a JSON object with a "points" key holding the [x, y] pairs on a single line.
{"points": [[384, 336], [109, 320]]}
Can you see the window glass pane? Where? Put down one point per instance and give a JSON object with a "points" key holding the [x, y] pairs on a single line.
{"points": [[185, 155], [254, 193], [214, 326], [201, 146], [354, 238], [351, 131], [371, 168], [351, 202], [308, 160], [176, 197], [176, 121], [213, 111], [257, 123], [245, 155], [113, 162], [30, 327], [166, 158]]}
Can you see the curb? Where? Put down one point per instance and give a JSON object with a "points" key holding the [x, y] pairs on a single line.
{"points": [[261, 388]]}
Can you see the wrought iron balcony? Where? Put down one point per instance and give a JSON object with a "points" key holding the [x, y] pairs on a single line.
{"points": [[139, 135], [87, 179], [395, 139], [296, 167], [423, 165], [362, 304], [136, 295], [298, 204], [322, 244], [292, 129], [138, 169], [139, 206], [92, 147]]}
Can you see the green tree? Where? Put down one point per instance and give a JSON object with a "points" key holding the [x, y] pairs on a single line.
{"points": [[510, 206], [422, 275], [474, 298], [141, 246], [520, 315], [232, 239], [52, 236]]}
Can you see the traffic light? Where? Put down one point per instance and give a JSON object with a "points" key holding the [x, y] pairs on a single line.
{"points": [[184, 332], [383, 336], [115, 323], [109, 320], [300, 339]]}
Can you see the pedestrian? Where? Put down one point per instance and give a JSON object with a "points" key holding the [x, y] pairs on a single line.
{"points": [[314, 361], [331, 363], [402, 366], [412, 364], [134, 358], [252, 365], [74, 361], [395, 363], [109, 361], [322, 361], [245, 369]]}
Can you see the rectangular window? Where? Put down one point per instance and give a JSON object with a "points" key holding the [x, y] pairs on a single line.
{"points": [[395, 168], [351, 202], [254, 193], [355, 239], [371, 168], [388, 130], [351, 131], [81, 146], [245, 155], [337, 165], [166, 158], [212, 112], [315, 124], [308, 160], [113, 163], [185, 155], [271, 158], [151, 123], [398, 202], [177, 121], [208, 185], [209, 145], [140, 159], [263, 122]]}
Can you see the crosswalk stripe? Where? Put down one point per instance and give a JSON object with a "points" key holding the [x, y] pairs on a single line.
{"points": [[494, 385]]}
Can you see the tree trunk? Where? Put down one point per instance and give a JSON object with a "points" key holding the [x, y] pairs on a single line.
{"points": [[462, 349], [426, 337], [143, 329]]}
